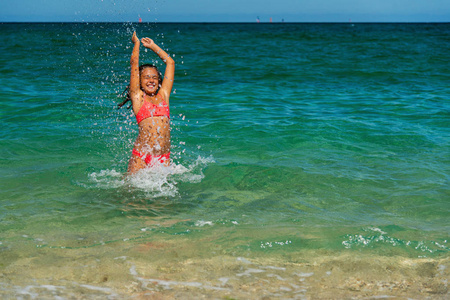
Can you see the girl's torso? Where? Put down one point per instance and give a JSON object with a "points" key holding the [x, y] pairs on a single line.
{"points": [[154, 126]]}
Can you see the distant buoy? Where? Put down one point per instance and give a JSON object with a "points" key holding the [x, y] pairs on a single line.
{"points": [[140, 20]]}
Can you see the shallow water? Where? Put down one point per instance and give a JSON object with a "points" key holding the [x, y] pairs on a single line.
{"points": [[309, 160]]}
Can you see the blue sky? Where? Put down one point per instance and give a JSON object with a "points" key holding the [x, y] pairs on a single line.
{"points": [[224, 10]]}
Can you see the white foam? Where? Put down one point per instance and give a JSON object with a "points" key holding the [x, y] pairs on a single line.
{"points": [[276, 276], [201, 223], [274, 268], [249, 272], [244, 260], [121, 257], [377, 230], [167, 284], [156, 181], [107, 179], [99, 289], [35, 291], [304, 274]]}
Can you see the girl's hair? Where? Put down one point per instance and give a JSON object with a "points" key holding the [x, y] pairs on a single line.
{"points": [[126, 93]]}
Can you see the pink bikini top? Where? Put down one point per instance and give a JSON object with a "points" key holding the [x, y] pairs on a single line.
{"points": [[149, 110]]}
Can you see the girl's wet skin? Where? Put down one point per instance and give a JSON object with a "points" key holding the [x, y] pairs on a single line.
{"points": [[151, 94]]}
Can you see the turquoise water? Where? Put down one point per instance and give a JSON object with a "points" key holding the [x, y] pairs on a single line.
{"points": [[287, 139]]}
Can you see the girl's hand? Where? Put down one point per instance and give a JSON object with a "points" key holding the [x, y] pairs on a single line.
{"points": [[135, 39], [147, 42]]}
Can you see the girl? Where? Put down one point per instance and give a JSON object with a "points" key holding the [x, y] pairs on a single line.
{"points": [[149, 95]]}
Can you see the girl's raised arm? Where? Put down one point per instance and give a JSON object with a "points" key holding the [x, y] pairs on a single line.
{"points": [[135, 84], [169, 74]]}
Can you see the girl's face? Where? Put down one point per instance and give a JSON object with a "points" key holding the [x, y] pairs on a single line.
{"points": [[149, 81]]}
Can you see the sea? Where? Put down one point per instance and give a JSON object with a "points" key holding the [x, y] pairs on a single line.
{"points": [[309, 161]]}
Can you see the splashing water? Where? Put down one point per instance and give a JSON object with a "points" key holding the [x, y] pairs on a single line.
{"points": [[157, 181]]}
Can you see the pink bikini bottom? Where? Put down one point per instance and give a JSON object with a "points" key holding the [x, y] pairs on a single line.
{"points": [[150, 159]]}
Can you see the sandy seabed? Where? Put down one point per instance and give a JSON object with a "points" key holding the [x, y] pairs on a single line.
{"points": [[176, 270]]}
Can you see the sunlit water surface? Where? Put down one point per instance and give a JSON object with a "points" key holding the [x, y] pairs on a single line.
{"points": [[308, 159]]}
